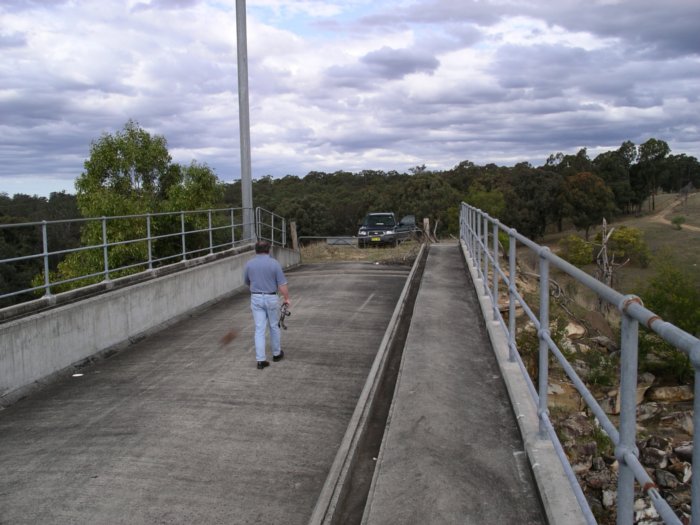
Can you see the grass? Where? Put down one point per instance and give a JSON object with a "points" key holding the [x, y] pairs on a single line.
{"points": [[662, 238], [320, 252]]}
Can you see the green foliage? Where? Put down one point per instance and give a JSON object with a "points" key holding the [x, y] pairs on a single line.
{"points": [[588, 200], [663, 360], [678, 222], [576, 251], [602, 368], [130, 173], [627, 243], [673, 294], [490, 201]]}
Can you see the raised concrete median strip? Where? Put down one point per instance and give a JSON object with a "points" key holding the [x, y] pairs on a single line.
{"points": [[342, 498]]}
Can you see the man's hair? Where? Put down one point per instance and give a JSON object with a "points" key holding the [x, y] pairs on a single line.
{"points": [[262, 247]]}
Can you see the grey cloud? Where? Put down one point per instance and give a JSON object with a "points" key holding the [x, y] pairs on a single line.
{"points": [[396, 63], [13, 40], [164, 5]]}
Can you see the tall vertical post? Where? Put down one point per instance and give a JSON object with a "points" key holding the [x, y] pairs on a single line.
{"points": [[511, 296], [496, 266], [544, 345], [244, 120], [45, 244], [628, 417]]}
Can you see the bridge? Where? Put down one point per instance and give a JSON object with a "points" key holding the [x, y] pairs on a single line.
{"points": [[397, 402]]}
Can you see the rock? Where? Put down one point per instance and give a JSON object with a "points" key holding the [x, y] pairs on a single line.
{"points": [[639, 505], [582, 465], [574, 330], [666, 479], [598, 323], [605, 342], [576, 425], [581, 368], [677, 497], [680, 421], [568, 346], [600, 480], [684, 451], [682, 470], [671, 394], [647, 411], [598, 464], [646, 378], [660, 443], [609, 498], [653, 457], [643, 517], [555, 389]]}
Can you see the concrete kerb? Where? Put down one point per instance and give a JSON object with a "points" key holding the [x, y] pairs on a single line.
{"points": [[327, 507], [556, 494]]}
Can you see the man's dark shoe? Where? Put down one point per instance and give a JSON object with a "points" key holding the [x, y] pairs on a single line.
{"points": [[276, 358], [263, 364]]}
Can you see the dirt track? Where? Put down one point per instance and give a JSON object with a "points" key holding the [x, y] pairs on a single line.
{"points": [[660, 216]]}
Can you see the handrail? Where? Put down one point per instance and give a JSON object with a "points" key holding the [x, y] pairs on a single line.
{"points": [[476, 230], [191, 234], [274, 231]]}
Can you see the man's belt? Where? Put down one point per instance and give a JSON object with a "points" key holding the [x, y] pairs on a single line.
{"points": [[264, 293]]}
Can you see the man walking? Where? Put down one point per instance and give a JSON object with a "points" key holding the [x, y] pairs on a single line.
{"points": [[264, 277]]}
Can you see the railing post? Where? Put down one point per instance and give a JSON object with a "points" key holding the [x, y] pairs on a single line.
{"points": [[284, 232], [233, 228], [496, 267], [257, 222], [695, 483], [211, 236], [485, 242], [182, 234], [149, 241], [45, 244], [628, 417], [477, 238], [544, 346], [512, 289], [105, 252]]}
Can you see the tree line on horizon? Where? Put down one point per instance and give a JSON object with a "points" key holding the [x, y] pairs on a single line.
{"points": [[131, 172]]}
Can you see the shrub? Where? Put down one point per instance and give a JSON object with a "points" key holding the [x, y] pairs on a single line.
{"points": [[678, 222], [576, 251], [627, 243]]}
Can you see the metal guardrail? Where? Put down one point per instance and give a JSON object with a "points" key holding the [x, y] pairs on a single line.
{"points": [[274, 231], [190, 234], [480, 232]]}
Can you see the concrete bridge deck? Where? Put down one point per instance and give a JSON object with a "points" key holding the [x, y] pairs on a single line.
{"points": [[175, 429]]}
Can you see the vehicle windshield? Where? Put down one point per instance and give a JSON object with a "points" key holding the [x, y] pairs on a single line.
{"points": [[379, 220]]}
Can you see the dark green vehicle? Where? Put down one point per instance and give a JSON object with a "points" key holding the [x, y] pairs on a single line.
{"points": [[381, 229]]}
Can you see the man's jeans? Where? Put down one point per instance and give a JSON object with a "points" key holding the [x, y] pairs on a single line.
{"points": [[266, 312]]}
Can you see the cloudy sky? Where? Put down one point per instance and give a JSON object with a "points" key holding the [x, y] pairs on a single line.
{"points": [[344, 84]]}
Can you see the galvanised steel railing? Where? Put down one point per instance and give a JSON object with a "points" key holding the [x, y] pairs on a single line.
{"points": [[480, 232], [270, 227], [152, 239]]}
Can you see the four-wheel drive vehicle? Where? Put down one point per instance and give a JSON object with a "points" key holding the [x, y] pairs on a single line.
{"points": [[381, 228]]}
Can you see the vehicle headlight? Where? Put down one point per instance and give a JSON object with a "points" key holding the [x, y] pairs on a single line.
{"points": [[389, 232], [362, 233]]}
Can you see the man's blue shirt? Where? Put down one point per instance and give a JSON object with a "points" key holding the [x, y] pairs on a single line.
{"points": [[264, 274]]}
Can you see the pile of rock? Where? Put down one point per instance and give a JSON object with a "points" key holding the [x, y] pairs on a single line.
{"points": [[668, 464]]}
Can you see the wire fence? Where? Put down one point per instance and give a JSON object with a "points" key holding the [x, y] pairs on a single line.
{"points": [[480, 233]]}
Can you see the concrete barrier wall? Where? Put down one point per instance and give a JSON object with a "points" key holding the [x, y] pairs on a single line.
{"points": [[35, 347]]}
